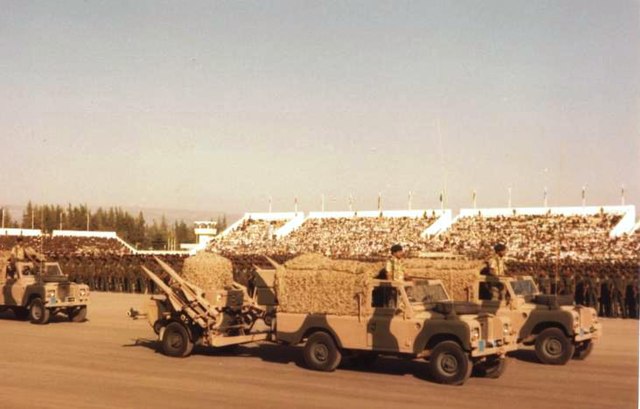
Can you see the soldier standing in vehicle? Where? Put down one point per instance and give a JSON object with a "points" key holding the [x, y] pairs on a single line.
{"points": [[545, 283], [495, 264], [19, 252], [394, 268]]}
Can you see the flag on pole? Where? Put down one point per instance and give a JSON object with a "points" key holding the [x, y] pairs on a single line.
{"points": [[545, 202], [295, 205], [584, 195], [379, 201], [474, 197]]}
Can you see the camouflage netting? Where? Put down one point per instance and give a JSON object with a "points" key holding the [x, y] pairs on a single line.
{"points": [[459, 276], [4, 262], [313, 283], [208, 271]]}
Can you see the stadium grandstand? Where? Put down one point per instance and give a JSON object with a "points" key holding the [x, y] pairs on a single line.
{"points": [[565, 244]]}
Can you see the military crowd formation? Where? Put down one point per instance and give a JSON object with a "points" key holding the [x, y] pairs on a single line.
{"points": [[566, 254]]}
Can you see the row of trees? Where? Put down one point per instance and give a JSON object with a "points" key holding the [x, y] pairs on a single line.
{"points": [[132, 228]]}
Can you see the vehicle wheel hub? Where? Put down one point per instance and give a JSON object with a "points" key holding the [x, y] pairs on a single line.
{"points": [[321, 352], [553, 347], [449, 364], [175, 341]]}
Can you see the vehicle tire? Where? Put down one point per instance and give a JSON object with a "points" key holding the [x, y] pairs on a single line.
{"points": [[493, 368], [176, 341], [78, 314], [450, 364], [553, 347], [38, 313], [321, 352], [583, 350], [20, 313]]}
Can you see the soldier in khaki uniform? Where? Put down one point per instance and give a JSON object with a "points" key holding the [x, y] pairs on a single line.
{"points": [[21, 253], [495, 264], [394, 268]]}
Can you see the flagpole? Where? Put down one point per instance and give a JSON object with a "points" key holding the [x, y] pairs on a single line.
{"points": [[622, 195], [474, 196]]}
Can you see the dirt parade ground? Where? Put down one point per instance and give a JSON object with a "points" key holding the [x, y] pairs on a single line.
{"points": [[111, 361]]}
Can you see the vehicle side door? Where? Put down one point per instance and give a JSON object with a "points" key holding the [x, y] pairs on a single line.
{"points": [[13, 288], [388, 328]]}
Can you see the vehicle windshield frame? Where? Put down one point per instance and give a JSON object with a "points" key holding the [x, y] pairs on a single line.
{"points": [[519, 287], [414, 288]]}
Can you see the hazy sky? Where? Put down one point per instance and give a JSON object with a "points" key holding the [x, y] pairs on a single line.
{"points": [[218, 105]]}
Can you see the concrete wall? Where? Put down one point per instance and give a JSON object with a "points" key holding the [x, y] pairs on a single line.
{"points": [[83, 233], [21, 232], [261, 216]]}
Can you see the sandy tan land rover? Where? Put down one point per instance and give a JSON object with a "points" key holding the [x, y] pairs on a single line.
{"points": [[414, 319], [559, 329], [38, 290]]}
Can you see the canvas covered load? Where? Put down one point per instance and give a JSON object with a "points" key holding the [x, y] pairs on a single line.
{"points": [[4, 262], [208, 271], [458, 276], [313, 283]]}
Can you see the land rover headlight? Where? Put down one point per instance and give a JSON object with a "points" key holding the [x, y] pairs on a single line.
{"points": [[83, 292], [475, 334], [51, 293], [506, 329]]}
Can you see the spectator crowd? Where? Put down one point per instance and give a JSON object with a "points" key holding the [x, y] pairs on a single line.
{"points": [[566, 254], [345, 237]]}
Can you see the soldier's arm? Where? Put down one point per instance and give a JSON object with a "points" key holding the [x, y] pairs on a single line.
{"points": [[30, 253], [389, 270], [493, 266]]}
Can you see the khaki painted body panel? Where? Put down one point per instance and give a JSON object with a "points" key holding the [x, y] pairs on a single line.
{"points": [[23, 284], [580, 323], [408, 329]]}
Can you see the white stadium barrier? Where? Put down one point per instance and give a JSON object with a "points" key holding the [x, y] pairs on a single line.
{"points": [[21, 232]]}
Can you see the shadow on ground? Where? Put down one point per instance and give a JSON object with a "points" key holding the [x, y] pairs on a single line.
{"points": [[280, 354], [525, 355], [55, 319]]}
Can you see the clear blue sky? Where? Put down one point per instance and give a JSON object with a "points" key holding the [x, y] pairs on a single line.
{"points": [[217, 106]]}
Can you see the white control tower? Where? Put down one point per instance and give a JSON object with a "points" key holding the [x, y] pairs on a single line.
{"points": [[205, 231]]}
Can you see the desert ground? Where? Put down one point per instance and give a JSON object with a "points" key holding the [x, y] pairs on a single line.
{"points": [[111, 361]]}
